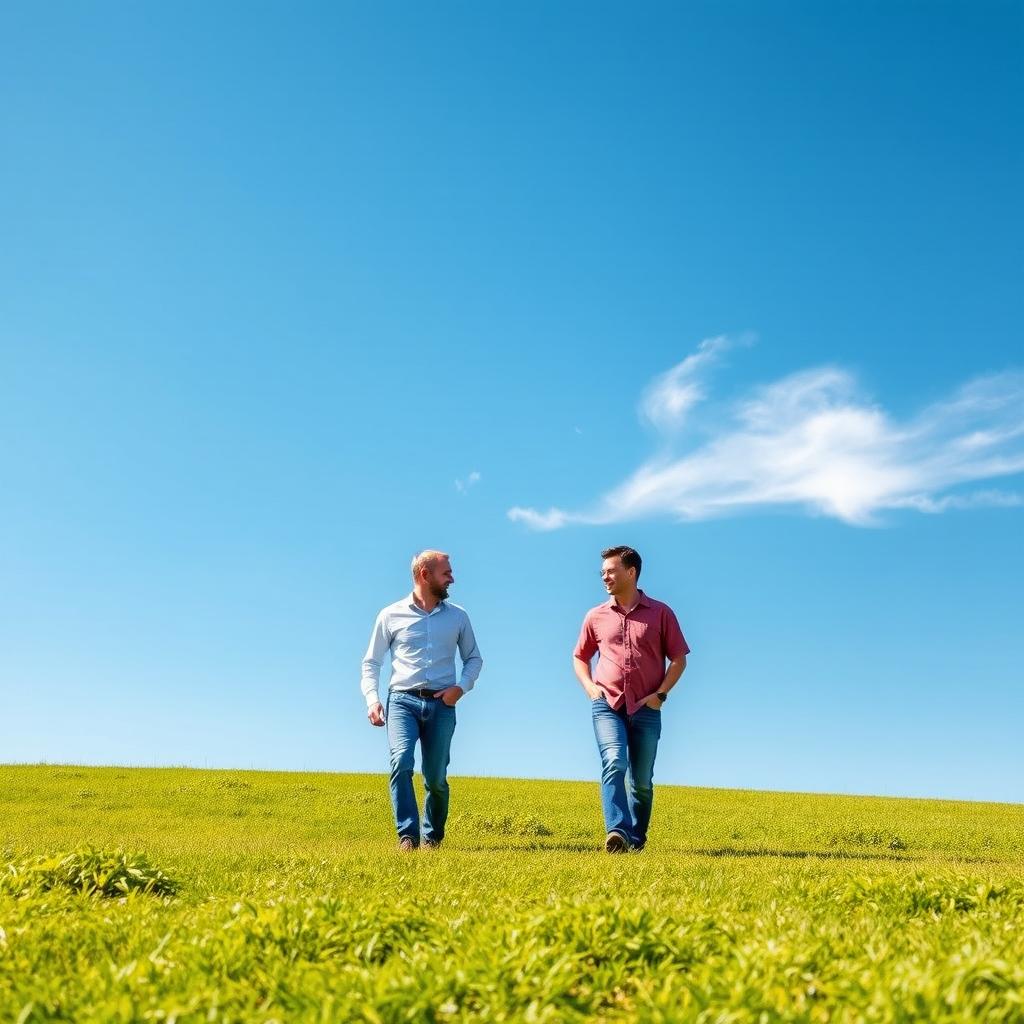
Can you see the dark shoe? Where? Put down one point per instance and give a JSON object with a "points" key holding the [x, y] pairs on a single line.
{"points": [[406, 845], [615, 843], [431, 844]]}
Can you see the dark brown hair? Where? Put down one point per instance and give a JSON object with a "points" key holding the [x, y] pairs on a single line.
{"points": [[630, 558]]}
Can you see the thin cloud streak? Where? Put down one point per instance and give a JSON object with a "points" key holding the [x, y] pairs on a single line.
{"points": [[812, 443]]}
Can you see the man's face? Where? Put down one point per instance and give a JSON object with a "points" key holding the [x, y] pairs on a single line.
{"points": [[439, 578], [615, 576]]}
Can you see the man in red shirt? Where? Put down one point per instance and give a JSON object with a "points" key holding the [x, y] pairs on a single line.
{"points": [[633, 635]]}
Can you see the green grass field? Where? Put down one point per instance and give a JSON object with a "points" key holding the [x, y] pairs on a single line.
{"points": [[280, 897]]}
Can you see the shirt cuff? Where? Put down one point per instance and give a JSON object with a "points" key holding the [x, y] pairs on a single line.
{"points": [[372, 698]]}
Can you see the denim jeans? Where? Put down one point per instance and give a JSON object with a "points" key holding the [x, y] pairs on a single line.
{"points": [[628, 745], [432, 722]]}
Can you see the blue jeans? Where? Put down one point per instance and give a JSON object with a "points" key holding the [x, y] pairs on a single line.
{"points": [[628, 745], [432, 722]]}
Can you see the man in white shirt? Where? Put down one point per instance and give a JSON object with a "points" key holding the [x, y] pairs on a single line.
{"points": [[422, 631]]}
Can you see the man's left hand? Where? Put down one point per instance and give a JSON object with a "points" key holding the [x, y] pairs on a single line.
{"points": [[451, 695], [654, 701]]}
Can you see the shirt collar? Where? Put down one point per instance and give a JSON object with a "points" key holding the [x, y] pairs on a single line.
{"points": [[642, 599], [411, 601]]}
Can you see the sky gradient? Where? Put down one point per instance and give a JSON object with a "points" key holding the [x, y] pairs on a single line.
{"points": [[290, 292]]}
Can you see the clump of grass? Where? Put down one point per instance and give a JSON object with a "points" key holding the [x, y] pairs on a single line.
{"points": [[511, 825], [89, 871], [869, 837]]}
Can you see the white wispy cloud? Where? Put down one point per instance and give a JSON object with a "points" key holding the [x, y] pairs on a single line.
{"points": [[672, 394], [812, 442], [463, 485]]}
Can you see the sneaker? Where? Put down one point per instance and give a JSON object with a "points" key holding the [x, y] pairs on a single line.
{"points": [[431, 844], [614, 842], [406, 845]]}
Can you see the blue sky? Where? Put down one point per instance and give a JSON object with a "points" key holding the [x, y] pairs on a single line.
{"points": [[290, 292]]}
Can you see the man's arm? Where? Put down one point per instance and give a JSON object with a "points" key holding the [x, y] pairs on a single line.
{"points": [[469, 651], [583, 655], [672, 673], [472, 663], [676, 649], [582, 670], [380, 644]]}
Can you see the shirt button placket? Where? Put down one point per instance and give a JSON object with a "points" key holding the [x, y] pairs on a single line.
{"points": [[625, 664]]}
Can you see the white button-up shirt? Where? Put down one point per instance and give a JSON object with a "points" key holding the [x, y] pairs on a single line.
{"points": [[422, 646]]}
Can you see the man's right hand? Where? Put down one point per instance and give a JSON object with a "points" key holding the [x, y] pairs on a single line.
{"points": [[593, 692], [376, 714]]}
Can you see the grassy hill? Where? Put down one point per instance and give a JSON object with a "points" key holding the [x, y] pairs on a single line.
{"points": [[256, 896]]}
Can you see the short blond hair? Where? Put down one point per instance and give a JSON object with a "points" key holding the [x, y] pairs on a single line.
{"points": [[426, 559]]}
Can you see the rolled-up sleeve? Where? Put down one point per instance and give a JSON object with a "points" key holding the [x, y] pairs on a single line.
{"points": [[469, 651], [380, 644], [586, 646]]}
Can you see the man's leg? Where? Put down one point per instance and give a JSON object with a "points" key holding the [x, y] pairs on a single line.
{"points": [[403, 727], [610, 732], [644, 732], [436, 744]]}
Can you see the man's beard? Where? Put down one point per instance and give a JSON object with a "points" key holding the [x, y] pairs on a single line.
{"points": [[439, 590]]}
